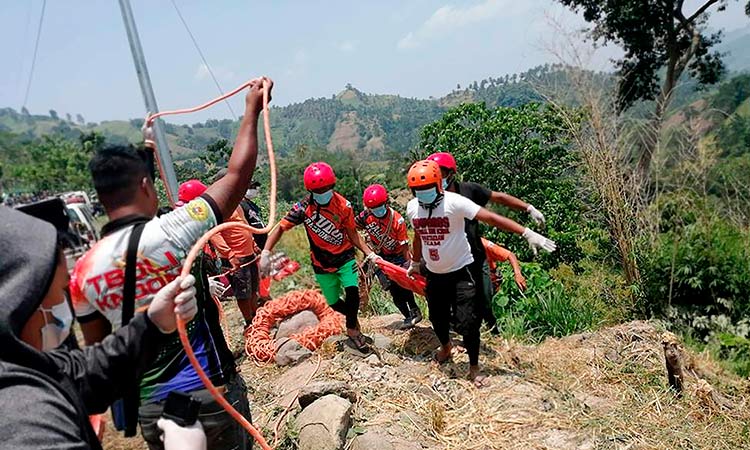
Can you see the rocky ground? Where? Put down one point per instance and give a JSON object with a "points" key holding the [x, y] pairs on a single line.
{"points": [[602, 390]]}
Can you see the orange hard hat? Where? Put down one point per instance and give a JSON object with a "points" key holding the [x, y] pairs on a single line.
{"points": [[424, 174]]}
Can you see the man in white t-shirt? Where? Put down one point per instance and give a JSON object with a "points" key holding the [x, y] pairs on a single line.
{"points": [[438, 218]]}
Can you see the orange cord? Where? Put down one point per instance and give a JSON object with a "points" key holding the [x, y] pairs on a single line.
{"points": [[258, 342], [181, 329], [198, 247]]}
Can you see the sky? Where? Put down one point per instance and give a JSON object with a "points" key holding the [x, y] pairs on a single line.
{"points": [[414, 48]]}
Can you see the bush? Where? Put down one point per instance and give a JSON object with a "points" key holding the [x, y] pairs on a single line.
{"points": [[702, 267], [545, 309]]}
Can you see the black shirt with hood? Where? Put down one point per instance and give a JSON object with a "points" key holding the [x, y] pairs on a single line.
{"points": [[46, 397]]}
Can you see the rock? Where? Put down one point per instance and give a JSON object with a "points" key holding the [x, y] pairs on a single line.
{"points": [[371, 441], [289, 351], [374, 360], [380, 440], [381, 341], [313, 391], [335, 339], [324, 423], [297, 324]]}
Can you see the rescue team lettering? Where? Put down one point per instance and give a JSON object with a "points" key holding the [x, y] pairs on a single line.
{"points": [[325, 229], [149, 279], [374, 230], [432, 230]]}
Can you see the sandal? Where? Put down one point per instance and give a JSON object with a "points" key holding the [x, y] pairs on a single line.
{"points": [[358, 345]]}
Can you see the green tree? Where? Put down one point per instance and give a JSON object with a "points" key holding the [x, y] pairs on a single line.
{"points": [[523, 151], [656, 35]]}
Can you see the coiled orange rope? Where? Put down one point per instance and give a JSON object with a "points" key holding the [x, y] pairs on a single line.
{"points": [[258, 342], [198, 247]]}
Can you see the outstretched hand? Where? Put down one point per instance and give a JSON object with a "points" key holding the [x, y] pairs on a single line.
{"points": [[537, 241]]}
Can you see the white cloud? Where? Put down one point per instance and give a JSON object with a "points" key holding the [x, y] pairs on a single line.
{"points": [[449, 18], [347, 46], [221, 73]]}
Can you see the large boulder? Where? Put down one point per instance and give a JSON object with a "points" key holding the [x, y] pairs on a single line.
{"points": [[297, 323], [313, 391], [323, 425], [289, 351]]}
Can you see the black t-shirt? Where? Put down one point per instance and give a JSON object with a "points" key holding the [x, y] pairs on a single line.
{"points": [[481, 196], [255, 220]]}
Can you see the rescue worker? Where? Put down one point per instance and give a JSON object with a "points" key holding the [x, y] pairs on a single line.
{"points": [[329, 223], [386, 232], [439, 221], [481, 196]]}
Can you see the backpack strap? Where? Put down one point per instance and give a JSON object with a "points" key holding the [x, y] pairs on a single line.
{"points": [[131, 397]]}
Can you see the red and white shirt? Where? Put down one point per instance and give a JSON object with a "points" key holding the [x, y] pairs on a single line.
{"points": [[387, 234], [445, 247], [97, 280]]}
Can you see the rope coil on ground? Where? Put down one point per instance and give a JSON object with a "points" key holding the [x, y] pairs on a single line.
{"points": [[258, 341]]}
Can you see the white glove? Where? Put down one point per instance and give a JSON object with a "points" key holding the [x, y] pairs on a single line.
{"points": [[176, 437], [265, 263], [414, 268], [216, 288], [176, 299], [537, 241], [535, 214], [372, 257], [148, 132]]}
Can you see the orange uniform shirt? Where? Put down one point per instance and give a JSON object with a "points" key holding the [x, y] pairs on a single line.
{"points": [[234, 242]]}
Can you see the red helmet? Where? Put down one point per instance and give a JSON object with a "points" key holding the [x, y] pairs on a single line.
{"points": [[190, 190], [444, 159], [319, 175], [375, 195]]}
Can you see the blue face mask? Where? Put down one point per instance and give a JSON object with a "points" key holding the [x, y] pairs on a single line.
{"points": [[426, 196], [379, 211], [323, 198], [445, 184]]}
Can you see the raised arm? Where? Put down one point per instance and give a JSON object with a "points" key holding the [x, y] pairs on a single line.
{"points": [[228, 191]]}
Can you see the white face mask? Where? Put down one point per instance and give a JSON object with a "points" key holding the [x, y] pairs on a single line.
{"points": [[55, 332], [251, 193]]}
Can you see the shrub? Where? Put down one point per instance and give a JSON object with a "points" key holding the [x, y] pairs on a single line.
{"points": [[545, 309]]}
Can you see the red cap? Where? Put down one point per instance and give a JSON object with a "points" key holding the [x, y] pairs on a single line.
{"points": [[375, 195], [319, 175], [190, 190]]}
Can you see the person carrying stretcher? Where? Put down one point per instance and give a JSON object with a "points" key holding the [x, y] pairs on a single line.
{"points": [[386, 231], [329, 223]]}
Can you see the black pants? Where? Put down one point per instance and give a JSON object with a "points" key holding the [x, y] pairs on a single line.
{"points": [[454, 295], [222, 431], [349, 307]]}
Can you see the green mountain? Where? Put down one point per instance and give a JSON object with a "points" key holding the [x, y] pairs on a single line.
{"points": [[350, 121]]}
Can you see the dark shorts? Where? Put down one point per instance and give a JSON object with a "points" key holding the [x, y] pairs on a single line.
{"points": [[452, 298], [245, 280], [222, 431]]}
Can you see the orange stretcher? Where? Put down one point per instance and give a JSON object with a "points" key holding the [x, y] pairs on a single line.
{"points": [[398, 274]]}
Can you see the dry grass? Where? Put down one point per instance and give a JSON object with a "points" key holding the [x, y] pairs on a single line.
{"points": [[601, 390]]}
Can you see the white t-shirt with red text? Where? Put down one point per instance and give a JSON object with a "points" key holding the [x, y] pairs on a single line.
{"points": [[444, 245]]}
